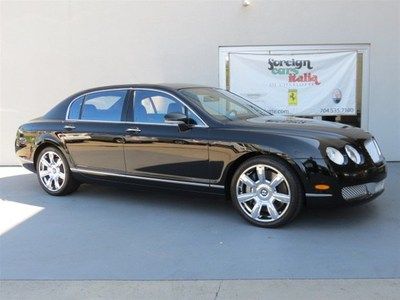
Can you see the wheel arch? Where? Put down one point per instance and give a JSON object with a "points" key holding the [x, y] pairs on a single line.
{"points": [[44, 143], [280, 156]]}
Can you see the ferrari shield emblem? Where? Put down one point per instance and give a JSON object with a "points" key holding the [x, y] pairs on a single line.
{"points": [[292, 97]]}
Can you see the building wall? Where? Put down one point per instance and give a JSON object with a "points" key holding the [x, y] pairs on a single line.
{"points": [[50, 50]]}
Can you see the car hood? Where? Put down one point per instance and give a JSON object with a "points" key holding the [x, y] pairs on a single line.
{"points": [[302, 127]]}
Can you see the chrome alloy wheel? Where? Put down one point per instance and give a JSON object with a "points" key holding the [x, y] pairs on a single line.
{"points": [[263, 193], [52, 171]]}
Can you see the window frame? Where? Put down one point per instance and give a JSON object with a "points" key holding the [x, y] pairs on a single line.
{"points": [[131, 112], [83, 96], [128, 107], [123, 112]]}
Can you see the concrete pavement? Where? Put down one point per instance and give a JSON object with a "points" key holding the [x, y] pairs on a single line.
{"points": [[106, 233]]}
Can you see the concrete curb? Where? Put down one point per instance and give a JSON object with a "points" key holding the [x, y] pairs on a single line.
{"points": [[213, 289]]}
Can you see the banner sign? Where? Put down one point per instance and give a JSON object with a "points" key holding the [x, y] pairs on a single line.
{"points": [[299, 84]]}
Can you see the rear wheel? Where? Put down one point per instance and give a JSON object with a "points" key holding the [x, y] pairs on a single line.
{"points": [[266, 192], [54, 174]]}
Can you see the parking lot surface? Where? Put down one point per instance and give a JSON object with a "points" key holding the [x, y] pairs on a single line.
{"points": [[107, 233]]}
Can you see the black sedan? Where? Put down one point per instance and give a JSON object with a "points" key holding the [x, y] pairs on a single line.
{"points": [[201, 139]]}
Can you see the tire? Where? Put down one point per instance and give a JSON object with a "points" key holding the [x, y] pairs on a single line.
{"points": [[54, 174], [266, 192]]}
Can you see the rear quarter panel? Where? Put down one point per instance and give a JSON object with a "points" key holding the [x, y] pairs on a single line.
{"points": [[33, 136]]}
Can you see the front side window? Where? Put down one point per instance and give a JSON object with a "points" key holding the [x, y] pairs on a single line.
{"points": [[222, 104], [103, 106], [152, 106]]}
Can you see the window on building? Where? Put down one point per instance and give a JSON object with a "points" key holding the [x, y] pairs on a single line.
{"points": [[361, 115]]}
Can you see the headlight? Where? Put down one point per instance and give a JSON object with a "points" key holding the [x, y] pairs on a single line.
{"points": [[377, 146], [335, 155], [353, 154]]}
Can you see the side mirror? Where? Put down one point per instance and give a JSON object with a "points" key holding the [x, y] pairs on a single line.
{"points": [[180, 119], [175, 118]]}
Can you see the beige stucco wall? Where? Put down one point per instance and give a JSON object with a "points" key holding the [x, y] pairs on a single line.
{"points": [[50, 50]]}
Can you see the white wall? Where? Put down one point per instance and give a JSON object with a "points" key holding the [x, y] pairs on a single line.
{"points": [[50, 50]]}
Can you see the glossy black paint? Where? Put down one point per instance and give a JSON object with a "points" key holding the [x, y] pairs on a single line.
{"points": [[201, 158]]}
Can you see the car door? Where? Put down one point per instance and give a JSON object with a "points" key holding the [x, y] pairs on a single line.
{"points": [[154, 148], [94, 133]]}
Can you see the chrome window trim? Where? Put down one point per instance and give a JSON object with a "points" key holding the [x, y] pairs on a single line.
{"points": [[176, 98], [121, 122], [89, 93], [79, 170], [204, 125]]}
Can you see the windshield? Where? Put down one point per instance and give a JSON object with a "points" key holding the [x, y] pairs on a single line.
{"points": [[222, 104]]}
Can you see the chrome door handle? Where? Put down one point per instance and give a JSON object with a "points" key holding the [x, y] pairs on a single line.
{"points": [[133, 130], [69, 127]]}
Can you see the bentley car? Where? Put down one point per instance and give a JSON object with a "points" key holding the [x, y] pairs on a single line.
{"points": [[201, 139]]}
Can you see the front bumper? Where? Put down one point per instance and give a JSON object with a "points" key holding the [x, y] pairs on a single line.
{"points": [[360, 192], [347, 185]]}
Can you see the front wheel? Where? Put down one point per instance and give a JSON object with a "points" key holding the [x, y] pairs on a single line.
{"points": [[54, 174], [266, 192]]}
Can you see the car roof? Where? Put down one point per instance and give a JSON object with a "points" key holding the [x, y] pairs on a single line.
{"points": [[162, 86], [60, 109]]}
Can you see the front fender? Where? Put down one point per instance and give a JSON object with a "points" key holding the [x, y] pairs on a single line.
{"points": [[293, 147], [226, 156]]}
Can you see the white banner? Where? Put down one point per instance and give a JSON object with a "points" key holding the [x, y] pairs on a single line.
{"points": [[299, 84]]}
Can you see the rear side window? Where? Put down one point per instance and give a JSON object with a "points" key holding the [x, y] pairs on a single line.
{"points": [[103, 106], [75, 108]]}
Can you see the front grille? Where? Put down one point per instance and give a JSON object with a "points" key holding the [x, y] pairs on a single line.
{"points": [[357, 191], [372, 148], [354, 191]]}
